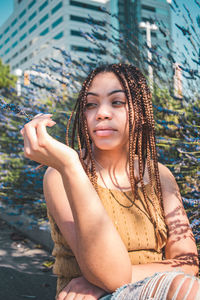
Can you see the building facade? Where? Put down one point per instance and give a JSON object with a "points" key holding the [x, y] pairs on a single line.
{"points": [[36, 26], [134, 16]]}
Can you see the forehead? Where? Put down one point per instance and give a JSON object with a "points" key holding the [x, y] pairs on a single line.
{"points": [[105, 81]]}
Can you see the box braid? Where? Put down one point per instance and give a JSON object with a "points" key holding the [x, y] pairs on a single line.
{"points": [[141, 134]]}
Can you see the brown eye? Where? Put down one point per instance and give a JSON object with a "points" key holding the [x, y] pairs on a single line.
{"points": [[118, 103], [90, 105]]}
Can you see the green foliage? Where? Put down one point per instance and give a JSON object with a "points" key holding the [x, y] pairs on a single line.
{"points": [[6, 78]]}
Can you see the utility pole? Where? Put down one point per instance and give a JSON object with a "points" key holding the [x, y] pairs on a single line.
{"points": [[148, 26], [18, 73]]}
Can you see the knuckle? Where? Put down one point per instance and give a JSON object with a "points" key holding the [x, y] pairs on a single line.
{"points": [[27, 153], [26, 126], [35, 147], [42, 143]]}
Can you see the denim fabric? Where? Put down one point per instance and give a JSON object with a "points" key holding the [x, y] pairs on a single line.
{"points": [[159, 283]]}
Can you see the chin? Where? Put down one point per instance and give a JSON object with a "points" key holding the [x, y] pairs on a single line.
{"points": [[106, 145]]}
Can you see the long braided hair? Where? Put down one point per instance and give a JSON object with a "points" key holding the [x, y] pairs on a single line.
{"points": [[141, 136]]}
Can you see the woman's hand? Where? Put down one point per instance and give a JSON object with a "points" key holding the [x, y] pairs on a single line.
{"points": [[44, 149], [79, 288]]}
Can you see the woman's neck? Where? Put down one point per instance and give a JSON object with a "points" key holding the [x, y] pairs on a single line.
{"points": [[111, 160]]}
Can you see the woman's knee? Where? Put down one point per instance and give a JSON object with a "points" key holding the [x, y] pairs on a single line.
{"points": [[184, 287]]}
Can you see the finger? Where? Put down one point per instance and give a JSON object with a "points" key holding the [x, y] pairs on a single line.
{"points": [[42, 132], [38, 118], [31, 131], [79, 297], [41, 114], [64, 292], [22, 131], [70, 296], [27, 149], [66, 296], [30, 138]]}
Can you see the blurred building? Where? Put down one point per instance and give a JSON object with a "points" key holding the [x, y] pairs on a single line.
{"points": [[36, 26], [134, 17]]}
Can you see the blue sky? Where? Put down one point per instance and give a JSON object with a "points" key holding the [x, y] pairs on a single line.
{"points": [[6, 9]]}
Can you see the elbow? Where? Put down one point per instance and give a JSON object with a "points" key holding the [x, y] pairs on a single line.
{"points": [[188, 263], [116, 283], [111, 280]]}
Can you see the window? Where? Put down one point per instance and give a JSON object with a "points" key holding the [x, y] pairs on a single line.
{"points": [[1, 36], [56, 8], [14, 33], [23, 37], [85, 5], [22, 25], [150, 20], [57, 22], [7, 50], [163, 11], [43, 19], [44, 32], [96, 35], [14, 22], [31, 4], [32, 28], [22, 13], [14, 44], [6, 30], [87, 49], [32, 16], [43, 5], [86, 20], [23, 60], [1, 46], [6, 41], [23, 48], [149, 8], [58, 36], [15, 55]]}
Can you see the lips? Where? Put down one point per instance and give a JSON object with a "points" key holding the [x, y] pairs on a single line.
{"points": [[104, 131], [102, 128]]}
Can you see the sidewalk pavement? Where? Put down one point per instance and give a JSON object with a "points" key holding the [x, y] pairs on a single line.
{"points": [[24, 264]]}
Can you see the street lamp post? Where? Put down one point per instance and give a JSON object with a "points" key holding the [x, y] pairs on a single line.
{"points": [[148, 26], [18, 73]]}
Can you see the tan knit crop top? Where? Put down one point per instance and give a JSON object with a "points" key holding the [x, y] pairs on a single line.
{"points": [[133, 224]]}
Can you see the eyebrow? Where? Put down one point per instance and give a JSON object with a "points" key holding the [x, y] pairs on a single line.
{"points": [[109, 94]]}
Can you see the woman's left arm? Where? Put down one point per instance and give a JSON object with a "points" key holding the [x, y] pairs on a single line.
{"points": [[180, 250]]}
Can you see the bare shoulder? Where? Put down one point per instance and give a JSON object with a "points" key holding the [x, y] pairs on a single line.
{"points": [[172, 200], [167, 179]]}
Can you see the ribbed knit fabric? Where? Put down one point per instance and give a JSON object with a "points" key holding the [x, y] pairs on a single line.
{"points": [[133, 224]]}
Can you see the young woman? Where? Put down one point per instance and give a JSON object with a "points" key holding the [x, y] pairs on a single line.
{"points": [[116, 214]]}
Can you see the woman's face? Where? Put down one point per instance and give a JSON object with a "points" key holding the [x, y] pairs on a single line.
{"points": [[107, 112]]}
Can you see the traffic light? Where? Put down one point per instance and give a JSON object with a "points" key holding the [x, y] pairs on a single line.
{"points": [[26, 79]]}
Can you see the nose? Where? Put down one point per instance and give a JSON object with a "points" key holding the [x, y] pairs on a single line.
{"points": [[103, 112]]}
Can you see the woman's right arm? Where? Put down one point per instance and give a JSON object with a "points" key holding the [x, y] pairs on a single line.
{"points": [[84, 223], [99, 250]]}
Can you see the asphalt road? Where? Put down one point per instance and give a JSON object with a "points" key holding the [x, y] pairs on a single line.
{"points": [[22, 271]]}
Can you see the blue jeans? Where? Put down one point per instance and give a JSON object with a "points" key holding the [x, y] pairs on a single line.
{"points": [[159, 283]]}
